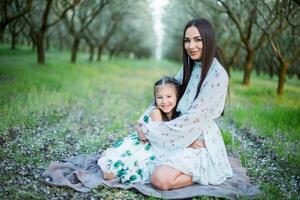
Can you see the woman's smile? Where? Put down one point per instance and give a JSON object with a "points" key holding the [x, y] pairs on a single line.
{"points": [[193, 43]]}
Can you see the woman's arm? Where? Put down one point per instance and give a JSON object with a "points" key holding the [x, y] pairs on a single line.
{"points": [[184, 130], [197, 144]]}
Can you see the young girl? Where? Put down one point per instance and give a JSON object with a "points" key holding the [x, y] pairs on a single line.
{"points": [[131, 159]]}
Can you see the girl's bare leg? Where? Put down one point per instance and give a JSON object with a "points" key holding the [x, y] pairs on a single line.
{"points": [[168, 178], [108, 176]]}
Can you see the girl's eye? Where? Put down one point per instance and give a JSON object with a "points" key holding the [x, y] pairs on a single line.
{"points": [[198, 40], [186, 41]]}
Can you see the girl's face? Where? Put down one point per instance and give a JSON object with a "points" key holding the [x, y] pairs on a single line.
{"points": [[165, 98], [193, 43]]}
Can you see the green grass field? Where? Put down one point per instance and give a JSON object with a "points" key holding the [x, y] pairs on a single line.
{"points": [[259, 107], [53, 111]]}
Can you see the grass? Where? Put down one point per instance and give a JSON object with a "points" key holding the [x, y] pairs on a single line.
{"points": [[57, 110], [33, 91], [259, 107]]}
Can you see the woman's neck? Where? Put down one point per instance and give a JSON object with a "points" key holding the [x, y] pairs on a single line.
{"points": [[197, 62]]}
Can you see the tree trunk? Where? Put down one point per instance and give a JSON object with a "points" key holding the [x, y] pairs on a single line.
{"points": [[74, 51], [33, 46], [281, 77], [91, 57], [29, 41], [248, 67], [257, 70], [100, 49], [2, 29], [40, 48], [13, 41], [61, 45], [271, 71], [111, 54], [47, 40]]}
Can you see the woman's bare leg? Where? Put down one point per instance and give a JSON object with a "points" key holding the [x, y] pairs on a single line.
{"points": [[168, 178]]}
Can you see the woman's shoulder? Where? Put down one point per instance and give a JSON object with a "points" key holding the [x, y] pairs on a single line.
{"points": [[217, 69]]}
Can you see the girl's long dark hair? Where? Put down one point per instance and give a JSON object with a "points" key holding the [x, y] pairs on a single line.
{"points": [[209, 51]]}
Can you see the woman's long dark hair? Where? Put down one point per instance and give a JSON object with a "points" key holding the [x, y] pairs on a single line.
{"points": [[209, 51]]}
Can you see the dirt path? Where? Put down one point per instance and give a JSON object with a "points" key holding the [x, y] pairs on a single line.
{"points": [[271, 172]]}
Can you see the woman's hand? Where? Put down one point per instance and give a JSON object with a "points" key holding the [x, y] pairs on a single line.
{"points": [[140, 133], [197, 144]]}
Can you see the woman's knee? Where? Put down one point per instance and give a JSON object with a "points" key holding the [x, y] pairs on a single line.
{"points": [[161, 179], [159, 183]]}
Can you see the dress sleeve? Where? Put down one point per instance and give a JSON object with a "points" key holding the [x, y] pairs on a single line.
{"points": [[182, 131], [179, 76]]}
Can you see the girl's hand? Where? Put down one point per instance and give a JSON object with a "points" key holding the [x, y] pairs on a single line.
{"points": [[197, 144], [140, 133]]}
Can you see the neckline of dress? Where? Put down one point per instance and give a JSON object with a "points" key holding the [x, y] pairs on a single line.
{"points": [[197, 64]]}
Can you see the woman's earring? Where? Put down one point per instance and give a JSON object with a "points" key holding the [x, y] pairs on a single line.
{"points": [[188, 60]]}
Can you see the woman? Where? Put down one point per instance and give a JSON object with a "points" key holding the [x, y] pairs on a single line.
{"points": [[203, 90]]}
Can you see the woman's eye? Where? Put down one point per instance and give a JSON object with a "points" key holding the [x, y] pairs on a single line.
{"points": [[198, 40]]}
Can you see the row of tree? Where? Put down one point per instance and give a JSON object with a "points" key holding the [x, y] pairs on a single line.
{"points": [[118, 27], [251, 34]]}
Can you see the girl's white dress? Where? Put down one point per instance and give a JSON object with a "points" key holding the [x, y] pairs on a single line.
{"points": [[170, 140]]}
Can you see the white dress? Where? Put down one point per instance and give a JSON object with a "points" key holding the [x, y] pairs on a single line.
{"points": [[129, 159], [170, 140]]}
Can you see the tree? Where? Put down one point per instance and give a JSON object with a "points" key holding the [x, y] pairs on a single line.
{"points": [[15, 28], [280, 45], [135, 36], [12, 10], [39, 21], [246, 30], [79, 20]]}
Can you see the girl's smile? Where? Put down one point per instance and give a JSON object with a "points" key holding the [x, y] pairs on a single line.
{"points": [[166, 98]]}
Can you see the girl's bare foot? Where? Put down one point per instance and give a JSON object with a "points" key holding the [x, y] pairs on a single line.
{"points": [[108, 176]]}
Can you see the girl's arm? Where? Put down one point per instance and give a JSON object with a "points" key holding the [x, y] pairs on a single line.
{"points": [[155, 115]]}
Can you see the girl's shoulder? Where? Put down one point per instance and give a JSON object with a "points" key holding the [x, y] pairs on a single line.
{"points": [[155, 114]]}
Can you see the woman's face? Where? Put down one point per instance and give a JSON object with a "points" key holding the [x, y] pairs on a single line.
{"points": [[193, 43]]}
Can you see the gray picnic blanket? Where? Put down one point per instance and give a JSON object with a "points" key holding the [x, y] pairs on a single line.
{"points": [[82, 174]]}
